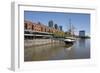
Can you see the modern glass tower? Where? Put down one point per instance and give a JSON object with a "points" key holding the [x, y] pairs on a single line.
{"points": [[82, 33]]}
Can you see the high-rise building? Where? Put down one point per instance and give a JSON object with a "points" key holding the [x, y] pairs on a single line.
{"points": [[60, 27], [56, 26], [82, 33], [50, 23]]}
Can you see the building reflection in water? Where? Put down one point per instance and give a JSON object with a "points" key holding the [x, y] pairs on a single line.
{"points": [[82, 43], [80, 50], [47, 52]]}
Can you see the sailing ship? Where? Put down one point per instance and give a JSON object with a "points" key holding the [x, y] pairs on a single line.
{"points": [[71, 39]]}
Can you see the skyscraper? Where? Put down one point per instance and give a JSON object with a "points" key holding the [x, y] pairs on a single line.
{"points": [[60, 27], [56, 26], [50, 23], [82, 33]]}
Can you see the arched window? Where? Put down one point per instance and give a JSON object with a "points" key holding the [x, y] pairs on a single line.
{"points": [[25, 25], [45, 29], [32, 27], [41, 29]]}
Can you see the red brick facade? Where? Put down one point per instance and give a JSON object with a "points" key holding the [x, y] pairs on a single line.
{"points": [[39, 27]]}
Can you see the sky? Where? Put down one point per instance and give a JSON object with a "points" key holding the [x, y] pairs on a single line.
{"points": [[79, 20]]}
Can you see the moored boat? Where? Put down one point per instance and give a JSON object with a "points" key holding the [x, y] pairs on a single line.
{"points": [[69, 41]]}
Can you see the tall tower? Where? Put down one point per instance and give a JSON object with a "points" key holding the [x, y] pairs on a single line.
{"points": [[50, 23], [60, 27], [82, 33], [56, 26]]}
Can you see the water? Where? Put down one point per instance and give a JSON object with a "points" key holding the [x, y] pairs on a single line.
{"points": [[79, 50]]}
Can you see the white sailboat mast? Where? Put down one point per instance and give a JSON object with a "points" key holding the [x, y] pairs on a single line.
{"points": [[70, 26]]}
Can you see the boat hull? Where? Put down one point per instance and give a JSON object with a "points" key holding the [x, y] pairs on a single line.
{"points": [[67, 42]]}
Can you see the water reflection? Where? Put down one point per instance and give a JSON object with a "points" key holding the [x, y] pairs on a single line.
{"points": [[80, 49], [82, 43]]}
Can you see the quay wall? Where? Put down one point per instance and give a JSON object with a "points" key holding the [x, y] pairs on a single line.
{"points": [[36, 42]]}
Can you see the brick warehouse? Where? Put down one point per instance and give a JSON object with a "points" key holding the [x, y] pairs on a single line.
{"points": [[42, 30], [28, 25]]}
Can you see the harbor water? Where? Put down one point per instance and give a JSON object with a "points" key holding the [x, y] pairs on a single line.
{"points": [[79, 50]]}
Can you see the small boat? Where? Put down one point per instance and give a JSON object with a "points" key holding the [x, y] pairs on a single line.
{"points": [[69, 41]]}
